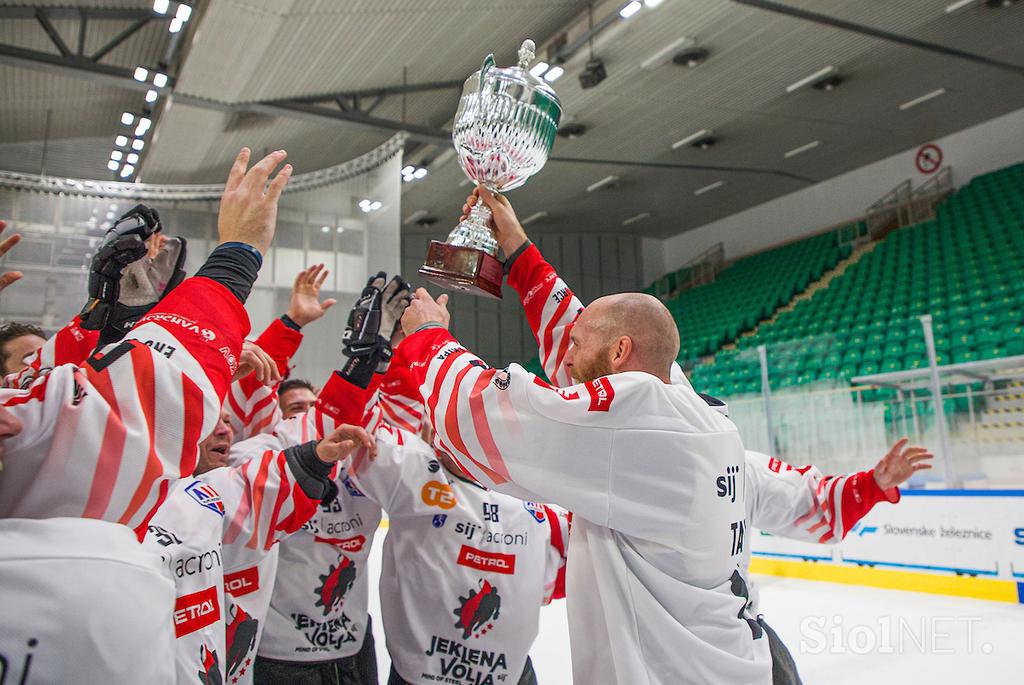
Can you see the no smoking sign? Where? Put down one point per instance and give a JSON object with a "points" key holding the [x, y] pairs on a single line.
{"points": [[928, 159]]}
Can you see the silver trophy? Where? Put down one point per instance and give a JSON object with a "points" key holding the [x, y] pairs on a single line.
{"points": [[504, 130]]}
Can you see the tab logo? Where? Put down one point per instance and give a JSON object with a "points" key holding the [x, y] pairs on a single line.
{"points": [[242, 582], [487, 561], [601, 394], [206, 496], [439, 495], [196, 610]]}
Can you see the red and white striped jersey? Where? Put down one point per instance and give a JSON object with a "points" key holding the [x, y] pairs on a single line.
{"points": [[71, 345], [197, 530], [655, 545], [319, 604], [106, 439], [465, 569], [252, 406], [400, 400]]}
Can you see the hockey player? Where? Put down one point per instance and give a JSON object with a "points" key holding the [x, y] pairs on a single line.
{"points": [[796, 503], [264, 499], [636, 459], [102, 442], [465, 569], [317, 629]]}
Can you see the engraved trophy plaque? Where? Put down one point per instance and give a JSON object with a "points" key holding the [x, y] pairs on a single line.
{"points": [[504, 129]]}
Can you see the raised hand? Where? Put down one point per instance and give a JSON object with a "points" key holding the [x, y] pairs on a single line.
{"points": [[507, 229], [901, 463], [248, 208], [254, 360], [344, 441], [424, 309], [10, 241], [305, 306]]}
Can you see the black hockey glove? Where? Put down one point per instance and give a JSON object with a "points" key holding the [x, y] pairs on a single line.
{"points": [[129, 275], [367, 339]]}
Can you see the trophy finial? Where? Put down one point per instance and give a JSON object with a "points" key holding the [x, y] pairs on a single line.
{"points": [[527, 51]]}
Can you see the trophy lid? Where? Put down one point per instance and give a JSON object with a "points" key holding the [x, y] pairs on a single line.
{"points": [[516, 81]]}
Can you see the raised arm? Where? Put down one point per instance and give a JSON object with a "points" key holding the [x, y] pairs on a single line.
{"points": [[802, 504]]}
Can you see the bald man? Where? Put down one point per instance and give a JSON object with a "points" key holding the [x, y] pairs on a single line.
{"points": [[652, 474]]}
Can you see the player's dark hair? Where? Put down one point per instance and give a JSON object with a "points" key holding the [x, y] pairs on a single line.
{"points": [[293, 384], [14, 329]]}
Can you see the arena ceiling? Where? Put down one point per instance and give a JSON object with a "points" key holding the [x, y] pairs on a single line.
{"points": [[331, 79]]}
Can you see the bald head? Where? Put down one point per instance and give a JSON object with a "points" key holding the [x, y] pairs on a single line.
{"points": [[624, 332]]}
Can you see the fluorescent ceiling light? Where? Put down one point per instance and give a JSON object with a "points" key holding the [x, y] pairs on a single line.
{"points": [[145, 123], [183, 13], [140, 74], [665, 54], [959, 5], [375, 205], [630, 9], [703, 133], [553, 74], [132, 158], [606, 181], [138, 144], [341, 229], [924, 98], [112, 165], [420, 173], [633, 219], [652, 3], [325, 229], [539, 68], [707, 189], [127, 118], [117, 155], [820, 74], [803, 148], [175, 25], [159, 80], [408, 169], [150, 96], [533, 217], [161, 6], [121, 141], [127, 170]]}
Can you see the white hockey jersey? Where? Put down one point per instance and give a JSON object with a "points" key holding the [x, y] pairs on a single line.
{"points": [[320, 598], [106, 439], [206, 522], [465, 570]]}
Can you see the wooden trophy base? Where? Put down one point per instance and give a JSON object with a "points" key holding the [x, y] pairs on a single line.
{"points": [[463, 268]]}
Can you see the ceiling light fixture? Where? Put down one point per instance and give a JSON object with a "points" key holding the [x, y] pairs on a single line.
{"points": [[141, 73], [325, 229], [606, 181], [703, 133], [113, 165], [138, 144], [652, 3], [159, 80], [183, 13], [960, 5], [121, 141], [175, 25], [803, 148], [665, 54], [132, 158], [593, 73], [116, 155], [553, 74], [420, 173], [813, 78], [408, 169], [127, 118], [151, 96], [538, 69], [630, 8], [690, 58], [127, 170], [708, 189], [924, 98], [534, 217], [161, 6], [633, 219]]}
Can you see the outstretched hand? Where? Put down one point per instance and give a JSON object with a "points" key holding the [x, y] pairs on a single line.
{"points": [[254, 360], [425, 309], [344, 441], [901, 463], [8, 277], [248, 207], [507, 229], [305, 306]]}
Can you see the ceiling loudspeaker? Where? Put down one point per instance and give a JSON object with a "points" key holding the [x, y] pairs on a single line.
{"points": [[593, 73], [828, 84], [426, 221], [691, 57], [572, 130]]}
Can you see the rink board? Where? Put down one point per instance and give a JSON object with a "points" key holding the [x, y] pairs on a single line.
{"points": [[968, 543]]}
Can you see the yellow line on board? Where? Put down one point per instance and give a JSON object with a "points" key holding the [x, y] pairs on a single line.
{"points": [[913, 581]]}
